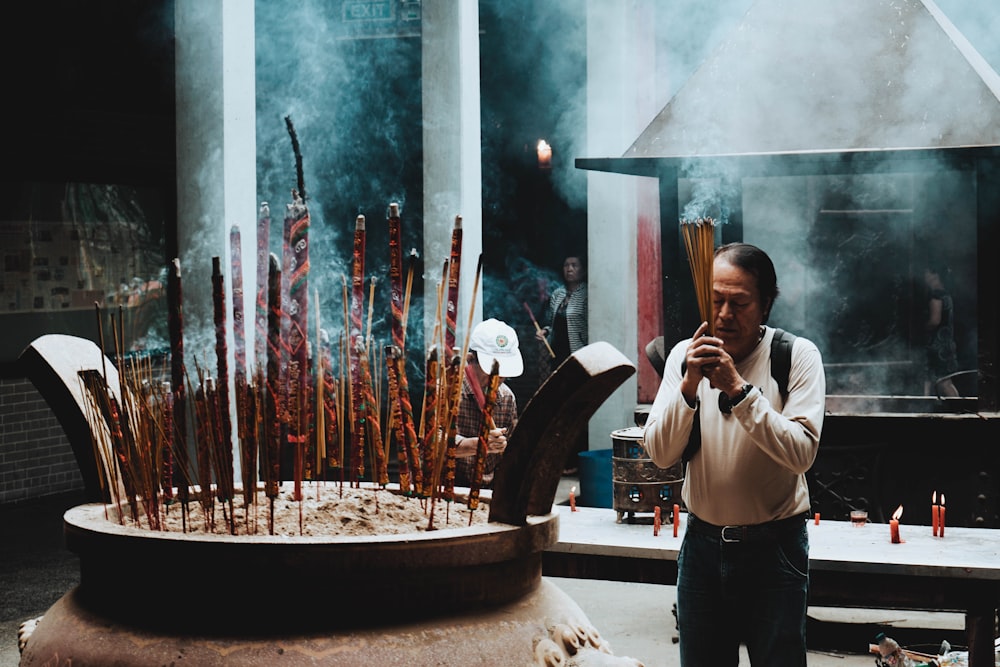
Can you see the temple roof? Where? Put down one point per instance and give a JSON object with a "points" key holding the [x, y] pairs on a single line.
{"points": [[816, 75]]}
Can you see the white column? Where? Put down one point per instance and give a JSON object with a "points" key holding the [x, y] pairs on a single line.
{"points": [[216, 164], [612, 125], [216, 153], [452, 151]]}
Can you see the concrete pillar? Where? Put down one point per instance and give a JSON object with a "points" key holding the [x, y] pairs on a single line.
{"points": [[452, 151], [613, 123], [216, 166], [216, 156]]}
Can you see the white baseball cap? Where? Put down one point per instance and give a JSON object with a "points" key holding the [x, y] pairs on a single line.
{"points": [[492, 339]]}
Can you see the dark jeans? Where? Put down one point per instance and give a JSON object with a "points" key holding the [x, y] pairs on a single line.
{"points": [[751, 592]]}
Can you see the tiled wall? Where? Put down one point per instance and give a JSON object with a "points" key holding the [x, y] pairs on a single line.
{"points": [[36, 459]]}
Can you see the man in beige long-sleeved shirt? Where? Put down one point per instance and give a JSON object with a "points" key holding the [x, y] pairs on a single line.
{"points": [[743, 566]]}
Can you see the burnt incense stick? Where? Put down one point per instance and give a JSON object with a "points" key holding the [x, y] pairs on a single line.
{"points": [[454, 272], [175, 322], [224, 474], [299, 436], [272, 459], [355, 334], [299, 176], [260, 311], [239, 328], [406, 434]]}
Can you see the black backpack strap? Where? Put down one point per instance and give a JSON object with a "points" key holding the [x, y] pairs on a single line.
{"points": [[781, 358], [781, 368]]}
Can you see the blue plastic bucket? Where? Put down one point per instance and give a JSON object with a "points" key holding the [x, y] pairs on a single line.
{"points": [[596, 489]]}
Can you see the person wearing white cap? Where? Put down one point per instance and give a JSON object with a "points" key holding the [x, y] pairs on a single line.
{"points": [[491, 340]]}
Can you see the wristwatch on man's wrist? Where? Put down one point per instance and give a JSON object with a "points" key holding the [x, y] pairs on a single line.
{"points": [[744, 392]]}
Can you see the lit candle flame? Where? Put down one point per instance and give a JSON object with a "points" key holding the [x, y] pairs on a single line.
{"points": [[942, 500], [898, 513], [544, 154], [934, 498]]}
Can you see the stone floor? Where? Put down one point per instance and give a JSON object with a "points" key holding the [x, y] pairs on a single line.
{"points": [[36, 570]]}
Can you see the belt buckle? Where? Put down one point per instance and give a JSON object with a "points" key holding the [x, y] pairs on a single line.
{"points": [[738, 530]]}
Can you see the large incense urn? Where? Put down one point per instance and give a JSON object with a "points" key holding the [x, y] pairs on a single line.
{"points": [[469, 595]]}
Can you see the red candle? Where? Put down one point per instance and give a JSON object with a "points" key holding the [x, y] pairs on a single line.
{"points": [[677, 518], [894, 525], [816, 518], [941, 518], [656, 521], [572, 499], [935, 514]]}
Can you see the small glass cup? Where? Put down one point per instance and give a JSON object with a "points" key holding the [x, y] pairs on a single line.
{"points": [[859, 518]]}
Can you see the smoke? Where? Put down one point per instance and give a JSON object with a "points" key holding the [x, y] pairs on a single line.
{"points": [[353, 96], [355, 102], [849, 250]]}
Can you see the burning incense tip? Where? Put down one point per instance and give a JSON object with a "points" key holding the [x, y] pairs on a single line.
{"points": [[359, 223], [394, 210]]}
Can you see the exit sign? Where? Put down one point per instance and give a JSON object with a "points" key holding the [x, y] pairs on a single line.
{"points": [[366, 19], [369, 10]]}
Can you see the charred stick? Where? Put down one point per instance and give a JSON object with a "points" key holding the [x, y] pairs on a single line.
{"points": [[297, 224], [239, 327], [356, 349], [454, 273], [407, 440], [299, 177], [224, 441], [273, 416], [175, 322], [260, 310]]}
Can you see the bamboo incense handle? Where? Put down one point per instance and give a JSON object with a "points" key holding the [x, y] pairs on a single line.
{"points": [[538, 329]]}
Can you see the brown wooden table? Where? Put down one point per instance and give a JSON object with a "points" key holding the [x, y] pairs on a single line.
{"points": [[849, 566]]}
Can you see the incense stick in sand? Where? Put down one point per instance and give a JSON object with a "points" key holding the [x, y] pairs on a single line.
{"points": [[699, 241]]}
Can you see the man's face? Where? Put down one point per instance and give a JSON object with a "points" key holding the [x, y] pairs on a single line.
{"points": [[482, 376], [737, 308]]}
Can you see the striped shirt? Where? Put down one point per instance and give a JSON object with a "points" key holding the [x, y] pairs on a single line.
{"points": [[576, 316]]}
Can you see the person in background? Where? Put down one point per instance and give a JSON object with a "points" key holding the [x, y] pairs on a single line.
{"points": [[565, 330], [565, 318], [490, 340], [942, 355], [742, 570]]}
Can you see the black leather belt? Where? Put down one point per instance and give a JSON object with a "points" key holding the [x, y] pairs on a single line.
{"points": [[761, 532]]}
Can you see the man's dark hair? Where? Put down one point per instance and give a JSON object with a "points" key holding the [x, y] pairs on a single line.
{"points": [[756, 262]]}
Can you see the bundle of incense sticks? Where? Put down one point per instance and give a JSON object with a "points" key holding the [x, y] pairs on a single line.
{"points": [[145, 442], [699, 241]]}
